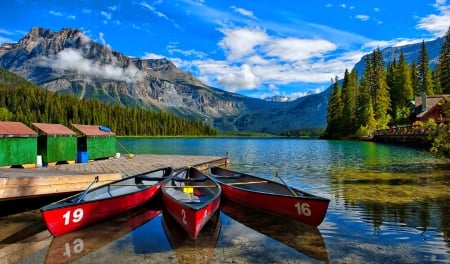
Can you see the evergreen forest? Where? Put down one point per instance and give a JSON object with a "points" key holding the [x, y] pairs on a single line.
{"points": [[23, 101], [385, 93]]}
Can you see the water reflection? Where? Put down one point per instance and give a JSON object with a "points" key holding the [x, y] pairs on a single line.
{"points": [[416, 200], [388, 205], [22, 226], [305, 239], [188, 250], [74, 245]]}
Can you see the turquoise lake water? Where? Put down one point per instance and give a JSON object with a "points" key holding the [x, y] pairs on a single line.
{"points": [[389, 204]]}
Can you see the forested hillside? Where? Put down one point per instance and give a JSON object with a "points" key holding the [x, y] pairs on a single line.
{"points": [[383, 96], [23, 101]]}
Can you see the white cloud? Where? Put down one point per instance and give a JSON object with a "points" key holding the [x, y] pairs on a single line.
{"points": [[437, 24], [152, 56], [241, 42], [294, 49], [363, 17], [172, 49], [55, 13], [153, 10], [6, 32], [103, 41], [106, 15], [256, 61], [73, 60], [244, 12], [239, 78], [59, 14]]}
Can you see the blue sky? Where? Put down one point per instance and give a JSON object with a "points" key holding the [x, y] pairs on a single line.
{"points": [[255, 48]]}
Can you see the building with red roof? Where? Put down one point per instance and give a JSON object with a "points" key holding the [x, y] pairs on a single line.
{"points": [[98, 142], [56, 143], [18, 144]]}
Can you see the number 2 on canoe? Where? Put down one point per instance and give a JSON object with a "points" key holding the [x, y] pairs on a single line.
{"points": [[303, 209], [76, 216], [183, 213]]}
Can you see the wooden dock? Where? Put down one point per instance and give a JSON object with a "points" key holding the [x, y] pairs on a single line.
{"points": [[19, 183]]}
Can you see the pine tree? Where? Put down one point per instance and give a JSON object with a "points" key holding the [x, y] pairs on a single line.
{"points": [[415, 78], [334, 114], [405, 80], [444, 64], [436, 79], [364, 98], [401, 89], [393, 81], [424, 72], [349, 89], [381, 101]]}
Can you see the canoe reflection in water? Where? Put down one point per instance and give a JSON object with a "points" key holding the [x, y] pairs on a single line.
{"points": [[306, 239], [72, 246], [188, 250]]}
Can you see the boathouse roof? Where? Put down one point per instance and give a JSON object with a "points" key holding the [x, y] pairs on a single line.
{"points": [[11, 129], [54, 129], [92, 130]]}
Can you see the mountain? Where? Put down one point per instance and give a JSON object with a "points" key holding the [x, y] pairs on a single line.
{"points": [[69, 62], [411, 53]]}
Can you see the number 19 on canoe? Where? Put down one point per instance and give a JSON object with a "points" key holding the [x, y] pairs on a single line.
{"points": [[303, 209], [74, 217]]}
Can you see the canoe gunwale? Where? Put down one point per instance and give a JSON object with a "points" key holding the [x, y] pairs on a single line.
{"points": [[220, 179], [71, 201]]}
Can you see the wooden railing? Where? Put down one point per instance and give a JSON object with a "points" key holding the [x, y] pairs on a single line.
{"points": [[409, 134], [408, 130]]}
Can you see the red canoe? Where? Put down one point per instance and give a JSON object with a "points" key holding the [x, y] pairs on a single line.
{"points": [[72, 246], [102, 202], [191, 198], [271, 196]]}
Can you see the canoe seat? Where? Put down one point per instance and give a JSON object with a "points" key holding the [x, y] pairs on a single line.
{"points": [[183, 197], [151, 178], [235, 176], [199, 179]]}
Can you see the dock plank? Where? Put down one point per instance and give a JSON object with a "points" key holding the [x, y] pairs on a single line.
{"points": [[16, 183]]}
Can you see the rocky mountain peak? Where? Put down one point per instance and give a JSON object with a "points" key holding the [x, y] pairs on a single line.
{"points": [[69, 62]]}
